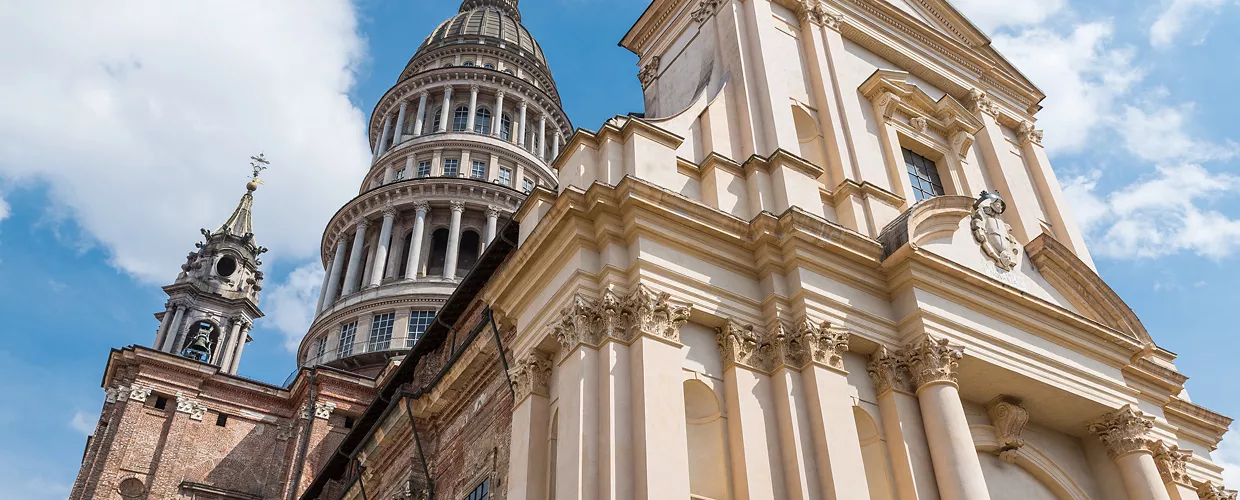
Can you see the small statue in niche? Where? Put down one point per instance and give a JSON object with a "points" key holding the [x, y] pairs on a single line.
{"points": [[199, 348], [992, 233]]}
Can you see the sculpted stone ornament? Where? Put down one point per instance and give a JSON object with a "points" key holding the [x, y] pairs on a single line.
{"points": [[1124, 431], [1172, 463], [1211, 491], [651, 313], [825, 345], [620, 318], [532, 375], [704, 10], [1009, 419], [979, 101], [787, 348], [992, 233], [1027, 134], [649, 72], [889, 372], [740, 346], [919, 124], [932, 360], [193, 407], [139, 393]]}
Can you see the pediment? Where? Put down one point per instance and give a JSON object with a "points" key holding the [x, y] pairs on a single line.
{"points": [[1083, 288]]}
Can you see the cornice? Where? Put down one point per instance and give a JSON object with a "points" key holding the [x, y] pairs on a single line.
{"points": [[1197, 420], [864, 189], [1082, 287]]}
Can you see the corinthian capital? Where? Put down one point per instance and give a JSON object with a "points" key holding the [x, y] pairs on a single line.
{"points": [[824, 344], [578, 324], [932, 360], [979, 101], [1124, 431], [888, 371], [1211, 491], [740, 346], [531, 375], [787, 348], [653, 314], [1172, 463]]}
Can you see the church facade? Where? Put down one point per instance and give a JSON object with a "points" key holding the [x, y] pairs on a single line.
{"points": [[831, 260]]}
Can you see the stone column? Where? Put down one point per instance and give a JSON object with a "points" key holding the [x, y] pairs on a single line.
{"points": [[492, 220], [932, 362], [241, 341], [1017, 190], [163, 325], [497, 125], [381, 247], [555, 145], [352, 275], [531, 376], [792, 420], [231, 345], [400, 123], [1173, 468], [473, 108], [818, 350], [521, 125], [383, 139], [902, 424], [454, 240], [414, 255], [757, 470], [174, 329], [327, 274], [542, 137], [577, 441], [445, 111], [1125, 432], [420, 118], [333, 281]]}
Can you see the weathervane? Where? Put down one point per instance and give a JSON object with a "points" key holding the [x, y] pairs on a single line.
{"points": [[259, 164]]}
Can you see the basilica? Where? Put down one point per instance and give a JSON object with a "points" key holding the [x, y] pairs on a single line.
{"points": [[830, 260]]}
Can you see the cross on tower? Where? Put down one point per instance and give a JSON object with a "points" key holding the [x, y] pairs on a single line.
{"points": [[259, 164]]}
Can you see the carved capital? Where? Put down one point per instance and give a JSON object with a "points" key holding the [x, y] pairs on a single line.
{"points": [[704, 10], [978, 101], [620, 318], [740, 346], [473, 88], [422, 206], [653, 314], [139, 393], [649, 73], [1212, 491], [362, 224], [1124, 431], [932, 360], [824, 344], [888, 371], [531, 375], [191, 406], [577, 324], [388, 211], [1172, 463], [787, 348], [1026, 134], [499, 94], [284, 432], [1009, 419], [457, 206], [492, 211]]}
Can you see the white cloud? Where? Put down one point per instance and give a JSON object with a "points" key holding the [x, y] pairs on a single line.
{"points": [[140, 118], [1176, 17], [5, 210], [83, 423], [1163, 214], [1083, 74], [1156, 133], [989, 14], [1228, 456], [291, 303]]}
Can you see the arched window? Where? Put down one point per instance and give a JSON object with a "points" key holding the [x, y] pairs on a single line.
{"points": [[434, 123], [482, 121], [460, 118], [508, 72], [467, 252], [706, 433], [505, 127], [468, 64], [408, 242], [488, 66], [210, 349], [439, 252]]}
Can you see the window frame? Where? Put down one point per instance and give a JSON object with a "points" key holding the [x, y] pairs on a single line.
{"points": [[456, 167], [343, 348], [460, 118], [381, 327], [424, 169], [924, 178], [505, 176], [419, 321], [477, 169]]}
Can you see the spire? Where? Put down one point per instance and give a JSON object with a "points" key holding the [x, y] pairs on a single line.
{"points": [[506, 6], [239, 223]]}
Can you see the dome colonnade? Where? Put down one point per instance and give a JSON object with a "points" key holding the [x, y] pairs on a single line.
{"points": [[467, 131]]}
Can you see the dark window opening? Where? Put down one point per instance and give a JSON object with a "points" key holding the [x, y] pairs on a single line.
{"points": [[161, 402], [923, 176], [221, 420], [471, 246], [439, 252], [348, 422], [480, 492]]}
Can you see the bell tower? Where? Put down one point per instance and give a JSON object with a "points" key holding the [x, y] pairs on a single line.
{"points": [[214, 301]]}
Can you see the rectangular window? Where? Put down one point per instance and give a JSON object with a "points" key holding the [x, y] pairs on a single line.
{"points": [[479, 493], [419, 321], [400, 174], [348, 332], [424, 168], [221, 420], [505, 176], [923, 175], [320, 349], [380, 332], [478, 170], [161, 402], [451, 167], [527, 186]]}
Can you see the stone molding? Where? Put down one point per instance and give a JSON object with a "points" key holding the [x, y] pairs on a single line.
{"points": [[622, 319], [195, 408], [138, 393], [1212, 491], [978, 101], [744, 346], [1025, 134], [532, 375], [816, 12], [1124, 431], [1008, 418], [322, 409], [1172, 463], [649, 73]]}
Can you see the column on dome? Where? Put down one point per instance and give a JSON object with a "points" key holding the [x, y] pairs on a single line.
{"points": [[497, 124], [531, 377], [164, 321], [445, 112], [521, 124], [400, 123], [333, 281], [414, 256], [542, 137], [492, 221], [327, 275], [381, 248], [174, 331], [470, 121], [383, 138], [454, 240], [1126, 434], [933, 363], [900, 414], [420, 119], [353, 275], [555, 145]]}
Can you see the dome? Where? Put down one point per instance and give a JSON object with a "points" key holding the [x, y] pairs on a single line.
{"points": [[480, 20]]}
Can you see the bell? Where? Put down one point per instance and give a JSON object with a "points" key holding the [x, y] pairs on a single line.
{"points": [[200, 346]]}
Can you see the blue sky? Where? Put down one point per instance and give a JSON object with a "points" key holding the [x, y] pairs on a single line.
{"points": [[125, 130]]}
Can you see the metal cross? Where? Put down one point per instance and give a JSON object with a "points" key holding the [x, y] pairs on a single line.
{"points": [[259, 164]]}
